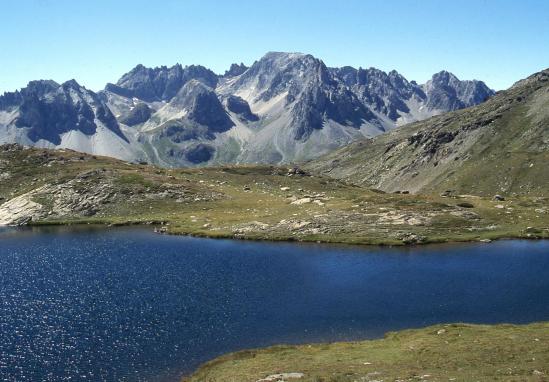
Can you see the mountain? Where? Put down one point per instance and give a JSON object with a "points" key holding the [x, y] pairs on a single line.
{"points": [[445, 92], [285, 107], [402, 101], [48, 114], [160, 84], [498, 147]]}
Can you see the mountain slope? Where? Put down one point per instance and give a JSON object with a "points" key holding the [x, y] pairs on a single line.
{"points": [[500, 146]]}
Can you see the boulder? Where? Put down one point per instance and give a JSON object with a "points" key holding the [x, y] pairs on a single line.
{"points": [[299, 202]]}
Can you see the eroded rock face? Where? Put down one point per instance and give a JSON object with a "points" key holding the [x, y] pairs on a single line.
{"points": [[200, 153], [383, 92], [20, 211]]}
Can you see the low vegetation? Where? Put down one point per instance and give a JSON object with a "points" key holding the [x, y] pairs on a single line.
{"points": [[456, 352], [249, 202]]}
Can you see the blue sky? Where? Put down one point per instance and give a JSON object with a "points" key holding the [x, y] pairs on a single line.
{"points": [[95, 42]]}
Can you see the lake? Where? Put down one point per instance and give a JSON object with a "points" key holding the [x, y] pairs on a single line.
{"points": [[126, 304]]}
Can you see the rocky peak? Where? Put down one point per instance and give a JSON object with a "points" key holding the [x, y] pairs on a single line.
{"points": [[444, 78], [71, 84], [383, 92], [279, 72], [311, 94], [48, 110], [235, 70], [37, 88], [446, 92], [160, 83]]}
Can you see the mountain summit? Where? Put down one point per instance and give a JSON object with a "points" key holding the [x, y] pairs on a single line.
{"points": [[285, 107]]}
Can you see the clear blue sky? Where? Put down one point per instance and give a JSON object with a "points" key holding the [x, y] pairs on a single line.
{"points": [[96, 41]]}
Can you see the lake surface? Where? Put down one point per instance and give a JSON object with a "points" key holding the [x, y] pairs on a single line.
{"points": [[127, 304]]}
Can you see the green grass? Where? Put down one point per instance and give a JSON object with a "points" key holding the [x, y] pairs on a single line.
{"points": [[456, 352]]}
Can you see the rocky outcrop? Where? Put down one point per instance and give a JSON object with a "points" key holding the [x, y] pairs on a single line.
{"points": [[238, 106], [281, 377], [200, 153], [20, 211], [90, 193], [202, 106], [138, 115]]}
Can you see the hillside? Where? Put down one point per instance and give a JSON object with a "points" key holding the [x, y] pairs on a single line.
{"points": [[40, 186], [498, 147]]}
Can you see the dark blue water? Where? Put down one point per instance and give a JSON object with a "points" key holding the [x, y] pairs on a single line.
{"points": [[126, 304]]}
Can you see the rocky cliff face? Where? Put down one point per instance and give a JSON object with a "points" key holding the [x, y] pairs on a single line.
{"points": [[285, 107]]}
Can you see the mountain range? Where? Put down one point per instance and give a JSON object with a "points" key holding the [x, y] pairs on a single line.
{"points": [[284, 108]]}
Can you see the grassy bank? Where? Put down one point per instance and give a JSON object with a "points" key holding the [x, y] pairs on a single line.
{"points": [[456, 352]]}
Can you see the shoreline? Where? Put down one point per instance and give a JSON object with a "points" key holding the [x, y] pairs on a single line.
{"points": [[257, 238], [436, 351]]}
